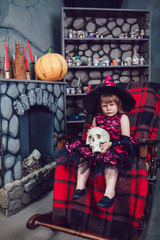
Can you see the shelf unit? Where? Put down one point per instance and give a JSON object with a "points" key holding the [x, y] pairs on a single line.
{"points": [[111, 23]]}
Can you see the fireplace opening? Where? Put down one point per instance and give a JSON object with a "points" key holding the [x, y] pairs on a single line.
{"points": [[36, 134]]}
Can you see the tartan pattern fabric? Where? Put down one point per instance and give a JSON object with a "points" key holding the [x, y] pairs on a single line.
{"points": [[121, 221], [118, 222], [144, 117]]}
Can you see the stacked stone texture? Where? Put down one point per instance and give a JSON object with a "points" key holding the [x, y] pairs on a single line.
{"points": [[18, 194], [16, 98], [110, 28], [107, 49]]}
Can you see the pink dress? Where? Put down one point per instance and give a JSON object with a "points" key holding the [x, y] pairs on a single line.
{"points": [[120, 156]]}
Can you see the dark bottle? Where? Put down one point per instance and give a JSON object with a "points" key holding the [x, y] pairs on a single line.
{"points": [[75, 53]]}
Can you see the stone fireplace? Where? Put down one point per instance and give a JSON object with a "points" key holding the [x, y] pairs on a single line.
{"points": [[31, 113]]}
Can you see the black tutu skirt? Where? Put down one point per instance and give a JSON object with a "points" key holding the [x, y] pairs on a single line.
{"points": [[78, 154]]}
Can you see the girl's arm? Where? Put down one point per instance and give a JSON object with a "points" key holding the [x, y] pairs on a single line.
{"points": [[94, 122], [125, 125], [105, 146]]}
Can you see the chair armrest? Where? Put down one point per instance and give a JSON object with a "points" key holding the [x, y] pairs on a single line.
{"points": [[144, 145], [62, 140], [148, 141], [62, 136]]}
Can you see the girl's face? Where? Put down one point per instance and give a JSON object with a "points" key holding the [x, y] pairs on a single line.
{"points": [[109, 109]]}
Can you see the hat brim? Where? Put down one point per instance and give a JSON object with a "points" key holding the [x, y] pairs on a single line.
{"points": [[91, 99]]}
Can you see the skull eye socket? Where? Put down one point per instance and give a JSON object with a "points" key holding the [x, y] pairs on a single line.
{"points": [[91, 138], [98, 136]]}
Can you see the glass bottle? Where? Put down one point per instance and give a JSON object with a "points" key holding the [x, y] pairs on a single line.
{"points": [[76, 58], [142, 33], [135, 58], [70, 34], [1, 68], [79, 84], [75, 53], [67, 55], [68, 58]]}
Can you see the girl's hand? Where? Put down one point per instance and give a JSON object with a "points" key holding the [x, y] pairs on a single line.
{"points": [[105, 147]]}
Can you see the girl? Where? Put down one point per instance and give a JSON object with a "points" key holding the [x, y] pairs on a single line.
{"points": [[107, 104]]}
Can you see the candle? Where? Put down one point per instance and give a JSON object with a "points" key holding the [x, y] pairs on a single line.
{"points": [[30, 53], [114, 63], [6, 56], [25, 56]]}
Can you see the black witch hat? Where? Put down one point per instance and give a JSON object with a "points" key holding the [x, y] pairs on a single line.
{"points": [[91, 100]]}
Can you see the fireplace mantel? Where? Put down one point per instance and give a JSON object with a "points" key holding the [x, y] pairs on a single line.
{"points": [[34, 81]]}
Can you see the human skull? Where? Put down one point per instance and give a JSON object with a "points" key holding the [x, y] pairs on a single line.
{"points": [[32, 158], [96, 137]]}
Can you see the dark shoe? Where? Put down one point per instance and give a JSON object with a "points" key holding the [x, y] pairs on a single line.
{"points": [[105, 202], [78, 194]]}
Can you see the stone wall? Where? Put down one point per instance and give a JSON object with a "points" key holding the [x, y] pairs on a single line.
{"points": [[16, 97], [18, 194]]}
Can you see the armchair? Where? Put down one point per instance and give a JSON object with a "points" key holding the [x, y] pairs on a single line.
{"points": [[129, 216]]}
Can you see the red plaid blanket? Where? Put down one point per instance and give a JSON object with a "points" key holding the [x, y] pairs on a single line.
{"points": [[123, 218], [144, 117], [120, 221]]}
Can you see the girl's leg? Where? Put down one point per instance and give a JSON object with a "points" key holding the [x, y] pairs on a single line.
{"points": [[81, 183], [111, 175], [82, 178]]}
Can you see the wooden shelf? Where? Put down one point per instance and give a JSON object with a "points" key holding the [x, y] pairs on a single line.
{"points": [[99, 12], [105, 40], [118, 66], [76, 95], [76, 121]]}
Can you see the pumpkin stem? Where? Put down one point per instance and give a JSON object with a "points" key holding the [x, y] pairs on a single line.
{"points": [[49, 50]]}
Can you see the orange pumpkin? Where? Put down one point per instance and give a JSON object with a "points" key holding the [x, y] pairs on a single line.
{"points": [[51, 67]]}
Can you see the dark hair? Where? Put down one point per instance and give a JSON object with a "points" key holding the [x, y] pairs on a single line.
{"points": [[108, 98]]}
